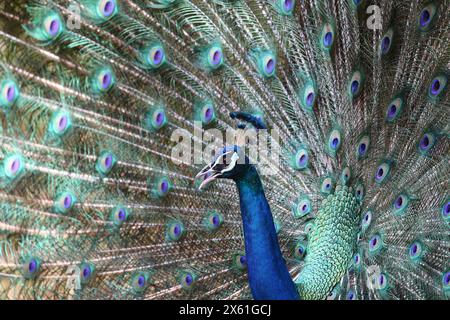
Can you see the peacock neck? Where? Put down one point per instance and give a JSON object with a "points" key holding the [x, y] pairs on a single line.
{"points": [[268, 275]]}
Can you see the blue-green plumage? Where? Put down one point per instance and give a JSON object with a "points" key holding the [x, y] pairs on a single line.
{"points": [[268, 276], [330, 245]]}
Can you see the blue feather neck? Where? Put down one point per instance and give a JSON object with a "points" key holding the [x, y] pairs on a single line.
{"points": [[267, 271]]}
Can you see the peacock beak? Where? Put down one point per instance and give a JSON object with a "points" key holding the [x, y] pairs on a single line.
{"points": [[216, 169]]}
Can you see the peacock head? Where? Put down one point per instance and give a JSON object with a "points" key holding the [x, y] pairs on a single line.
{"points": [[230, 163]]}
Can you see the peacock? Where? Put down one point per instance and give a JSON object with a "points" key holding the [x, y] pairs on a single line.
{"points": [[117, 182]]}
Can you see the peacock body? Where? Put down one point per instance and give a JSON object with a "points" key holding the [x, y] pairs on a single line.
{"points": [[94, 94]]}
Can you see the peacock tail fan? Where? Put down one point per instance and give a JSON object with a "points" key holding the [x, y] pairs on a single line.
{"points": [[94, 96]]}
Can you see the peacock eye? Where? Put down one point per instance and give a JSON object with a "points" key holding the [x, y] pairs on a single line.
{"points": [[300, 251], [375, 243], [357, 259], [359, 191], [139, 282], [60, 123], [32, 265], [355, 84], [382, 173], [426, 17], [309, 227], [366, 220], [107, 8], [156, 119], [427, 142], [363, 147], [13, 166], [287, 6], [266, 63], [213, 221], [9, 93], [415, 251], [53, 26], [303, 207], [208, 113], [119, 215], [351, 295], [356, 2], [386, 42], [309, 99], [308, 96], [156, 56], [400, 204], [327, 37], [175, 231], [301, 159], [269, 65], [64, 202], [334, 141], [31, 268], [187, 280], [437, 86], [163, 187], [346, 175], [284, 7], [334, 293], [105, 162], [159, 118], [394, 109], [240, 261], [103, 80], [445, 211], [326, 185], [446, 280], [215, 57], [382, 281], [86, 272]]}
